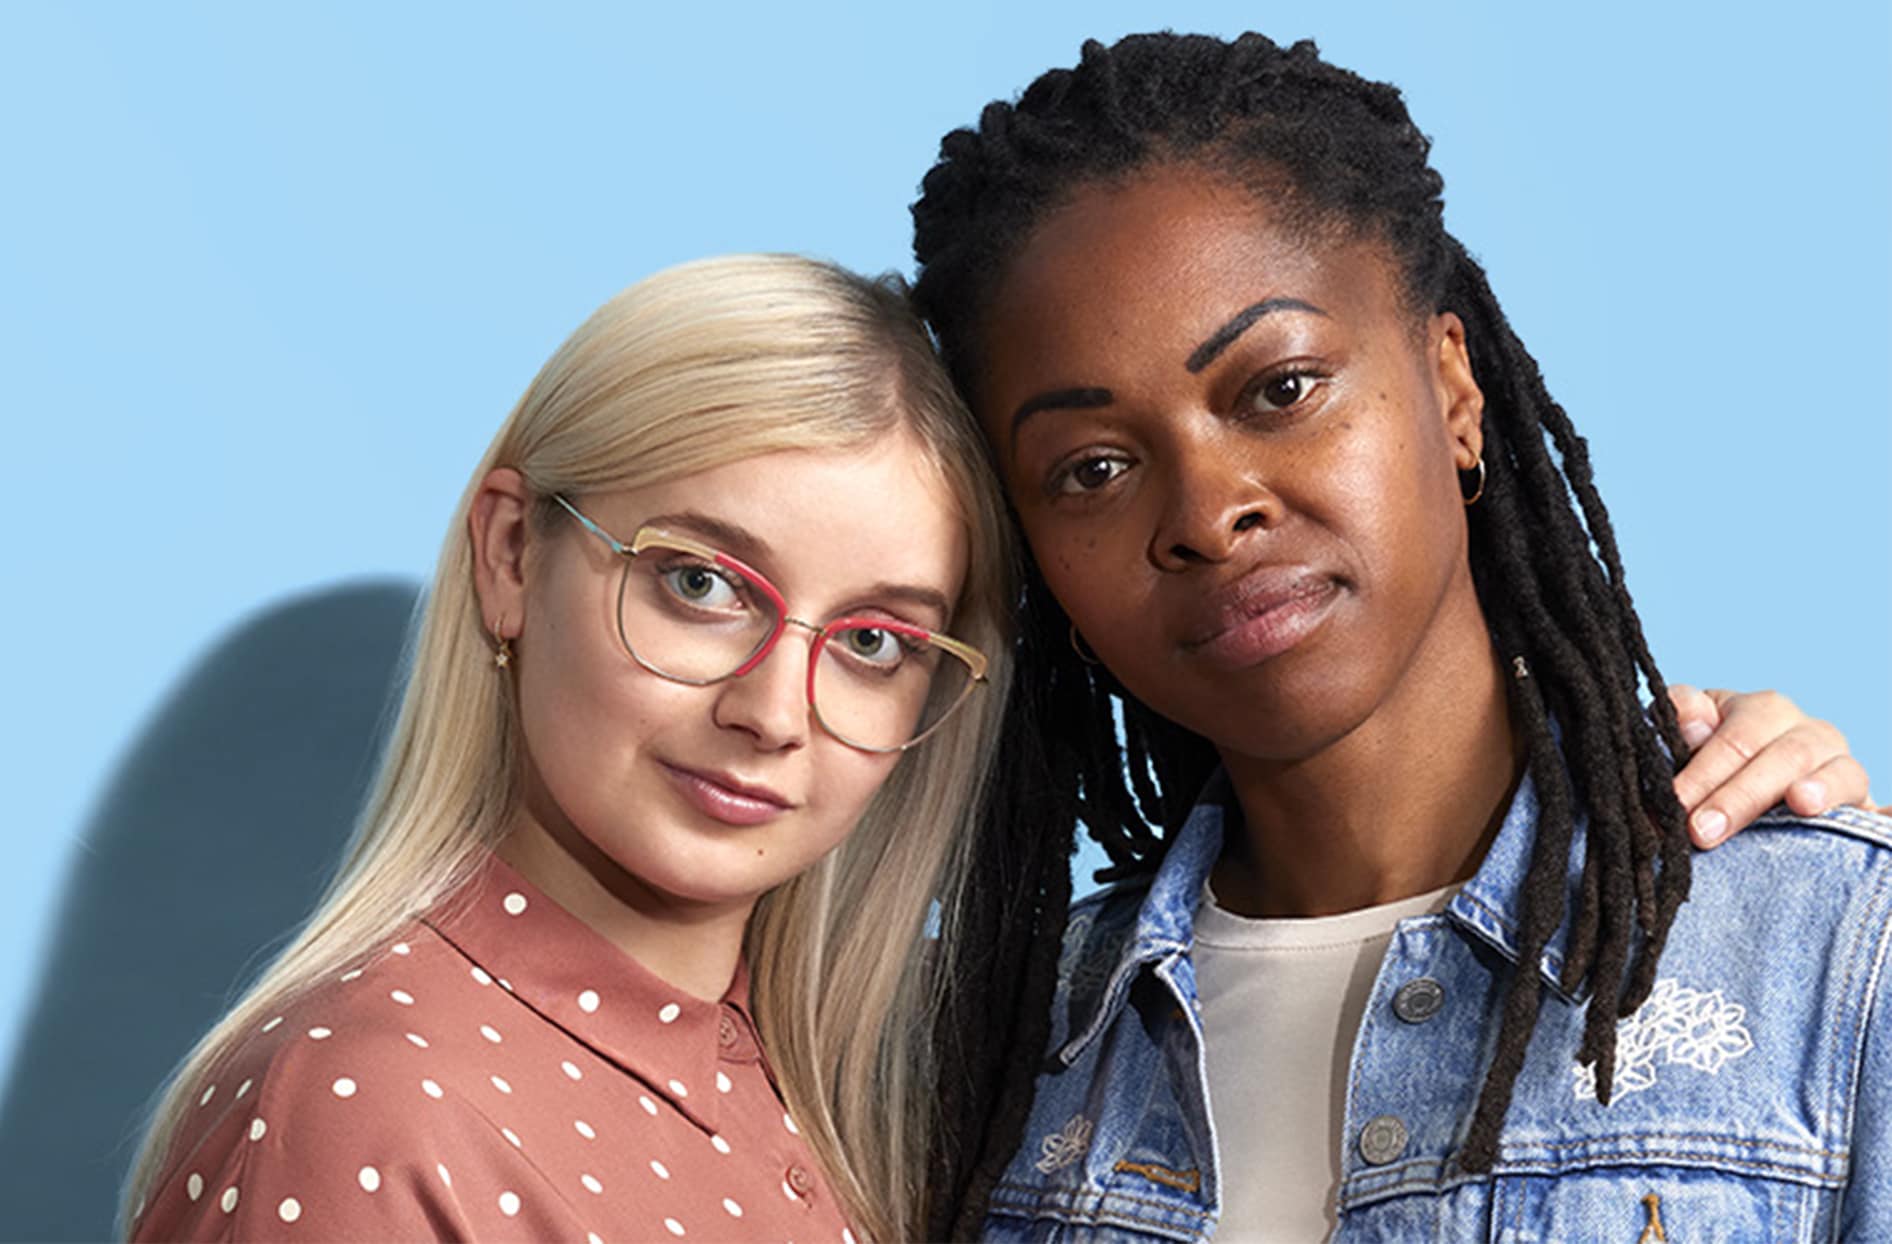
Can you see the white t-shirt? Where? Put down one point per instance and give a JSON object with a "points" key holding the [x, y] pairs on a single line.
{"points": [[1281, 1002]]}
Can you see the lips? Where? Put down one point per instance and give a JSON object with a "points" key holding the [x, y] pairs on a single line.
{"points": [[725, 797], [1264, 613]]}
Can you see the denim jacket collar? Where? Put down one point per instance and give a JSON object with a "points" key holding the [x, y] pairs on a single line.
{"points": [[1489, 906]]}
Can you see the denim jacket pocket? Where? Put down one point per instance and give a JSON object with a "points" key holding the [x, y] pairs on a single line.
{"points": [[1646, 1204]]}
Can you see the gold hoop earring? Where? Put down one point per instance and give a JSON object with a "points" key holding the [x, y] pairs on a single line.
{"points": [[1478, 491], [1077, 646]]}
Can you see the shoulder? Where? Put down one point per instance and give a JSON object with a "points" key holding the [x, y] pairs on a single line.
{"points": [[348, 1111], [1835, 862]]}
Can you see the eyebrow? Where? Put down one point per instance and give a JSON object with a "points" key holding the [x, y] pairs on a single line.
{"points": [[740, 542], [1223, 337], [1060, 399], [726, 536]]}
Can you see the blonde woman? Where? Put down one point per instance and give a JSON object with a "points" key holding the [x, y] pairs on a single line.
{"points": [[629, 943]]}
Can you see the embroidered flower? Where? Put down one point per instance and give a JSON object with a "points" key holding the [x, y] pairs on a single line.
{"points": [[1065, 1146], [1082, 969], [1677, 1024]]}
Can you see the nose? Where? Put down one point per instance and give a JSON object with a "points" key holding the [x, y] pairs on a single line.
{"points": [[770, 702], [1215, 501]]}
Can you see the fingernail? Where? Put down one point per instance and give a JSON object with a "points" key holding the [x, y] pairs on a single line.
{"points": [[1695, 732], [1810, 793], [1710, 826]]}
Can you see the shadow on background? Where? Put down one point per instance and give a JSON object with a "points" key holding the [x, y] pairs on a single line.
{"points": [[212, 840]]}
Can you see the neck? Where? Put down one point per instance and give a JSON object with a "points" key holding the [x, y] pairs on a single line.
{"points": [[693, 946], [1405, 803]]}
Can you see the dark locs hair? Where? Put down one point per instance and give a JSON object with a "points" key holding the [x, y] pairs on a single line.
{"points": [[1337, 157]]}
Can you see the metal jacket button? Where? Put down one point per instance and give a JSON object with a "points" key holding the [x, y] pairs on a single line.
{"points": [[1382, 1140], [1418, 1001]]}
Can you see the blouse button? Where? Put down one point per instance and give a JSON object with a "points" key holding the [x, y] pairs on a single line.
{"points": [[726, 1031], [800, 1180]]}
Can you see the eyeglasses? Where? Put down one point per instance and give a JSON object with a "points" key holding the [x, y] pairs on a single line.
{"points": [[693, 614]]}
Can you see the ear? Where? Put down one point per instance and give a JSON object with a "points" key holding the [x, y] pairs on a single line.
{"points": [[497, 523], [1460, 398]]}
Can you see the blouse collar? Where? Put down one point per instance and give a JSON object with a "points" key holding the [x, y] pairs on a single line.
{"points": [[521, 940]]}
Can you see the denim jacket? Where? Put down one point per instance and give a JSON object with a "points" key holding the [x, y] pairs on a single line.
{"points": [[1753, 1090]]}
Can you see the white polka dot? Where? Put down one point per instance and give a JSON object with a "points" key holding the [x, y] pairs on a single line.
{"points": [[662, 1171], [431, 1089], [673, 1226], [479, 974], [344, 1087], [670, 1012], [505, 984], [514, 903], [402, 996], [140, 1213], [229, 1199], [585, 1129], [257, 1128], [417, 1039], [401, 948], [789, 1192], [194, 1186], [722, 1083], [719, 1144], [320, 1034], [591, 1183], [289, 1210], [676, 1086], [369, 1178], [208, 1094], [445, 1177], [271, 1025], [847, 1237], [352, 976], [244, 1088], [790, 1125], [735, 1210], [591, 1237], [500, 1084], [512, 1136], [571, 1069], [490, 1033], [588, 1001], [509, 1203], [650, 1107]]}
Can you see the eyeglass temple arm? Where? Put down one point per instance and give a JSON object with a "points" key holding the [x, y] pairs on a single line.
{"points": [[617, 545]]}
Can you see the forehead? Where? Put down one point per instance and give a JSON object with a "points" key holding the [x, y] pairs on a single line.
{"points": [[1158, 262]]}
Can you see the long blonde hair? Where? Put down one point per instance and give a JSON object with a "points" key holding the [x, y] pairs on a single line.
{"points": [[703, 364]]}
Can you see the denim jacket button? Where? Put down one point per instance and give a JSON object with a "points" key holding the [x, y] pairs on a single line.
{"points": [[1382, 1140], [1418, 1001]]}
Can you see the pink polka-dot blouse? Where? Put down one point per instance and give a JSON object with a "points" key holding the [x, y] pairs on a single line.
{"points": [[500, 1072]]}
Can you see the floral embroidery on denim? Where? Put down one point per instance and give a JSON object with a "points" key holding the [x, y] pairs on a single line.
{"points": [[1078, 973], [1696, 1028], [1065, 1146]]}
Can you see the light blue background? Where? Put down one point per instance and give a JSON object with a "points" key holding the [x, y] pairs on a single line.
{"points": [[271, 276]]}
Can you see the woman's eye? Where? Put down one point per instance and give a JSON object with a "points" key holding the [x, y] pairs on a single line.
{"points": [[873, 645], [1090, 474], [1282, 391], [700, 585]]}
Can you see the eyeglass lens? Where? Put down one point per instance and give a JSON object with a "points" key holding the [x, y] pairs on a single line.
{"points": [[700, 621]]}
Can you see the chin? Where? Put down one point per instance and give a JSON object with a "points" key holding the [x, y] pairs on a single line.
{"points": [[1279, 711]]}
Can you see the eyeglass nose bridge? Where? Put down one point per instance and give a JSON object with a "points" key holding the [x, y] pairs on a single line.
{"points": [[761, 654]]}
